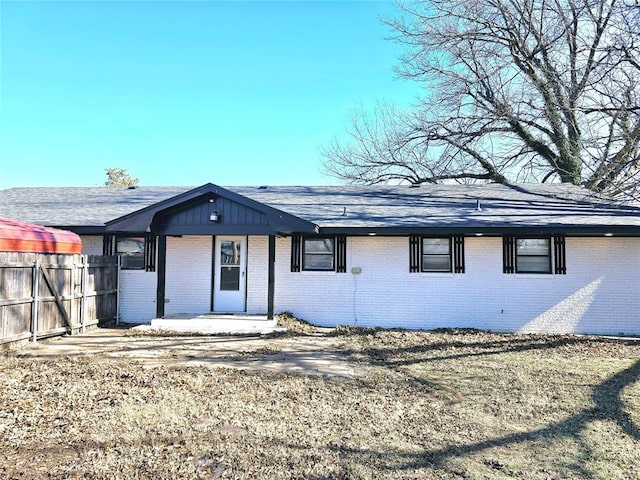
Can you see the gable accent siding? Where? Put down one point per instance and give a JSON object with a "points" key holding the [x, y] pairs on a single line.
{"points": [[198, 213]]}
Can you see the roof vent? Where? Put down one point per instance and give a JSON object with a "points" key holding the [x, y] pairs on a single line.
{"points": [[414, 185], [478, 205], [262, 187], [344, 211], [132, 187]]}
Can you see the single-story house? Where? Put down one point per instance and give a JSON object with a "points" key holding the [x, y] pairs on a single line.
{"points": [[527, 257]]}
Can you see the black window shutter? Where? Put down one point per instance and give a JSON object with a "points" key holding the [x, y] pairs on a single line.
{"points": [[508, 254], [458, 254], [109, 245], [296, 252], [560, 257], [150, 252], [415, 242], [341, 254]]}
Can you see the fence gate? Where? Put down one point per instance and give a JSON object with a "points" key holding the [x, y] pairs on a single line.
{"points": [[42, 295]]}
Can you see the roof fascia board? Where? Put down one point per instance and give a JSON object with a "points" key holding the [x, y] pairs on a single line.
{"points": [[179, 230], [82, 229], [598, 231]]}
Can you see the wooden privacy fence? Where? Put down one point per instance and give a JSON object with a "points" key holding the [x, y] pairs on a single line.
{"points": [[43, 295]]}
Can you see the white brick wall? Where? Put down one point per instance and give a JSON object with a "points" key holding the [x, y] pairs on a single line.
{"points": [[188, 281], [137, 296], [91, 244], [257, 275], [137, 288], [599, 294]]}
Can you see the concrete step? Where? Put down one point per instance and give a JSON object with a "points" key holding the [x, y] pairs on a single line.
{"points": [[216, 324]]}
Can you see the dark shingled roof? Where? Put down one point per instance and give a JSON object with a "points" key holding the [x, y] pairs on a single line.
{"points": [[344, 207]]}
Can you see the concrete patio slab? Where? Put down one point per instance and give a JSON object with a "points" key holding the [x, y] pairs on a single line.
{"points": [[311, 355]]}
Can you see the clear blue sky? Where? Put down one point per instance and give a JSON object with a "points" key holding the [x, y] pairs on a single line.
{"points": [[184, 93]]}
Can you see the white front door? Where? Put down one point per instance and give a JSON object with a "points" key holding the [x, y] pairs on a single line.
{"points": [[230, 278]]}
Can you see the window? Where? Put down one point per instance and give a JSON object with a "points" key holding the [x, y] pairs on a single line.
{"points": [[436, 254], [230, 252], [533, 255], [131, 251], [136, 253], [318, 254]]}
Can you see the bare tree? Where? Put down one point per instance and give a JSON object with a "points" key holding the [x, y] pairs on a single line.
{"points": [[515, 90], [119, 177]]}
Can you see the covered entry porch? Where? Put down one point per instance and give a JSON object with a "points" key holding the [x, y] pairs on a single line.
{"points": [[219, 274], [212, 251]]}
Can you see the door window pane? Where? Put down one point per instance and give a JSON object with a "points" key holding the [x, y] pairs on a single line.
{"points": [[230, 253], [229, 278]]}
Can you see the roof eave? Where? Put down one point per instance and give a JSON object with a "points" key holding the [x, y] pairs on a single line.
{"points": [[533, 230]]}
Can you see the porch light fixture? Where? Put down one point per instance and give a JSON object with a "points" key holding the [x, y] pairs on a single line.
{"points": [[214, 216], [608, 234]]}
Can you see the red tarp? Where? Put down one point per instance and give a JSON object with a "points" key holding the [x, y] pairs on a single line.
{"points": [[26, 237]]}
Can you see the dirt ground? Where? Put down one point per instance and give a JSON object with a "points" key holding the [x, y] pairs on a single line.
{"points": [[378, 404], [300, 354]]}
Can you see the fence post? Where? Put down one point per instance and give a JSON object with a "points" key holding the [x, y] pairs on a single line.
{"points": [[118, 291], [83, 309], [36, 299], [72, 304]]}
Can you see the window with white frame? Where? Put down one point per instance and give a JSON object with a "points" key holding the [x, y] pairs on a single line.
{"points": [[533, 255], [318, 254], [436, 254], [132, 252]]}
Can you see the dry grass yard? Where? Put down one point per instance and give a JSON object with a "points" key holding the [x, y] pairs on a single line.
{"points": [[445, 405]]}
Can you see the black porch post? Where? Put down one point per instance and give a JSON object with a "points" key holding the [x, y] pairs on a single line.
{"points": [[272, 276], [162, 275]]}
